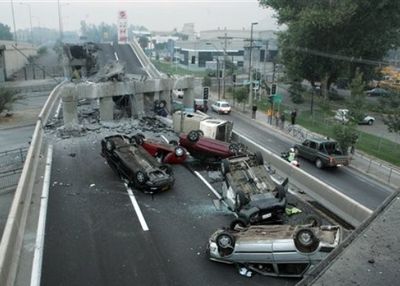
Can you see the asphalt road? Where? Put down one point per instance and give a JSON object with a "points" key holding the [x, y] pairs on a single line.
{"points": [[350, 182], [124, 54], [16, 137], [94, 237]]}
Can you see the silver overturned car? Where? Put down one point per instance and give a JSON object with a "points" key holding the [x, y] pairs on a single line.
{"points": [[274, 250]]}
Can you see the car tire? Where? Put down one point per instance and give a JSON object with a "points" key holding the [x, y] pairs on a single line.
{"points": [[225, 167], [238, 224], [167, 169], [226, 243], [305, 240], [162, 104], [370, 122], [233, 148], [259, 158], [313, 221], [201, 133], [110, 145], [193, 136], [173, 142], [139, 140], [318, 163], [179, 151], [140, 178]]}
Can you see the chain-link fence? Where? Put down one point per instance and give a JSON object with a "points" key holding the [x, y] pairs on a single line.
{"points": [[11, 163]]}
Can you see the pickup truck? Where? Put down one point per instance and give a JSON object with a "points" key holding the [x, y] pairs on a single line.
{"points": [[323, 152]]}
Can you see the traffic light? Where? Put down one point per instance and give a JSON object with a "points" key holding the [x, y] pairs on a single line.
{"points": [[234, 78], [205, 93], [273, 89]]}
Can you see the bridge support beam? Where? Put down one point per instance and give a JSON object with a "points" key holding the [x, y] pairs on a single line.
{"points": [[106, 109], [70, 111]]}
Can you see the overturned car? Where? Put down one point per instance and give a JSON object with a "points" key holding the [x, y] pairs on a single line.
{"points": [[251, 192], [274, 250], [133, 163]]}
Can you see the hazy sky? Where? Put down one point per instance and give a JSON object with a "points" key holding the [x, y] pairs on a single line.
{"points": [[161, 15]]}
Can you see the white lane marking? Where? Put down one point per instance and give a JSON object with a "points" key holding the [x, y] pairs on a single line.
{"points": [[39, 243], [314, 178], [165, 138], [116, 56], [208, 185], [58, 110], [137, 210]]}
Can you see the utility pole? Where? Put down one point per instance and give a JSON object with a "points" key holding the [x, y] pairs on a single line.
{"points": [[30, 18], [13, 17], [225, 38], [218, 79], [250, 77]]}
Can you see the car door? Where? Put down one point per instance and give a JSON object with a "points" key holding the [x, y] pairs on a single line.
{"points": [[303, 149]]}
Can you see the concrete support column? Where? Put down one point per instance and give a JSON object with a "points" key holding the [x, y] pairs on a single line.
{"points": [[137, 105], [157, 95], [106, 109], [70, 111], [188, 98]]}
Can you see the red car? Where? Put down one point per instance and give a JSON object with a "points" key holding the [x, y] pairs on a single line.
{"points": [[167, 153], [207, 148]]}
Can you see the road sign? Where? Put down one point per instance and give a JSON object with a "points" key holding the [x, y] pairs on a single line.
{"points": [[277, 99], [205, 93]]}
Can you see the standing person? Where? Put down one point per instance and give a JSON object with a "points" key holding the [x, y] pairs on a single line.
{"points": [[277, 117], [293, 116], [269, 114], [353, 144], [283, 120]]}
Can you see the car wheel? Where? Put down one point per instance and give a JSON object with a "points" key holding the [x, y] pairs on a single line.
{"points": [[139, 140], [173, 142], [318, 163], [305, 240], [259, 158], [312, 221], [226, 243], [225, 168], [110, 145], [201, 133], [167, 169], [140, 177], [179, 151], [233, 148], [193, 136], [238, 224], [163, 103], [370, 122]]}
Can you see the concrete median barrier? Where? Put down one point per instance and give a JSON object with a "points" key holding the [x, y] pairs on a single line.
{"points": [[343, 206]]}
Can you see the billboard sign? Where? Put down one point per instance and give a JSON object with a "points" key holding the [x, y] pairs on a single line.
{"points": [[122, 27]]}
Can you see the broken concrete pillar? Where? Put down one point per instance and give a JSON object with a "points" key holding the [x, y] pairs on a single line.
{"points": [[106, 109], [137, 105], [70, 110]]}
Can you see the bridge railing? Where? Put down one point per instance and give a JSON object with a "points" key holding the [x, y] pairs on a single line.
{"points": [[144, 60], [11, 241]]}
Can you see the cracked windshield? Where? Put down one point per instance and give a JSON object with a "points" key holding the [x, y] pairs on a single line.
{"points": [[199, 142]]}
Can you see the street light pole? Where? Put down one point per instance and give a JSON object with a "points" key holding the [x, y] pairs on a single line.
{"points": [[250, 77], [30, 18], [60, 21], [13, 17]]}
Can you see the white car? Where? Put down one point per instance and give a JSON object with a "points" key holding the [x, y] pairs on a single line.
{"points": [[342, 115], [221, 107]]}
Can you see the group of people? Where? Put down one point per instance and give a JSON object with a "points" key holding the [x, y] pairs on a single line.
{"points": [[280, 118]]}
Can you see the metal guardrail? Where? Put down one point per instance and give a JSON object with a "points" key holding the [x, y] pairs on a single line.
{"points": [[11, 241], [144, 60], [344, 207]]}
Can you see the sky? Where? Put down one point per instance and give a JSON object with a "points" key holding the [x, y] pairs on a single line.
{"points": [[161, 15]]}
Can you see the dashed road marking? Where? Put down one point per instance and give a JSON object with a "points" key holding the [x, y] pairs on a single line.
{"points": [[137, 210]]}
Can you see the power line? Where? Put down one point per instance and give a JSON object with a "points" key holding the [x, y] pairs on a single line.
{"points": [[339, 57]]}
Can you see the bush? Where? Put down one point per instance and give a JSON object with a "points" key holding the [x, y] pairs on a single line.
{"points": [[42, 50], [7, 97], [206, 81]]}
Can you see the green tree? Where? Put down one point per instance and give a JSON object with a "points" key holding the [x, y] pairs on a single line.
{"points": [[391, 112], [296, 91], [323, 37], [206, 81], [5, 33], [7, 97], [241, 94], [345, 135], [357, 104], [143, 42]]}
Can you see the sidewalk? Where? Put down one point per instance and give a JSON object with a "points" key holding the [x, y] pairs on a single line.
{"points": [[373, 167]]}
